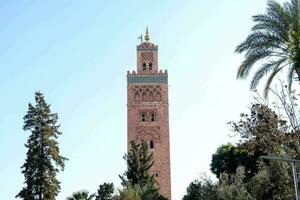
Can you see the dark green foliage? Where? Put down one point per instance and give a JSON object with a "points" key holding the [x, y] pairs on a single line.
{"points": [[137, 193], [228, 158], [139, 161], [273, 181], [81, 195], [232, 187], [202, 189], [264, 133], [151, 193], [262, 130], [43, 160], [274, 40], [105, 191], [130, 193]]}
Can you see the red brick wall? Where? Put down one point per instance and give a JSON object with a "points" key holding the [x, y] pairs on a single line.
{"points": [[156, 131]]}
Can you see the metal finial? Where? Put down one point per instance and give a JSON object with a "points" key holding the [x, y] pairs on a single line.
{"points": [[147, 37]]}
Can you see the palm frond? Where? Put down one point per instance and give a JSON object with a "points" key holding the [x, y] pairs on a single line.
{"points": [[275, 39], [276, 10], [292, 7], [251, 58], [261, 40], [265, 69], [269, 24]]}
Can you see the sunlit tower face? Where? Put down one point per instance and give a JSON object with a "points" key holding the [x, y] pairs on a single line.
{"points": [[148, 110]]}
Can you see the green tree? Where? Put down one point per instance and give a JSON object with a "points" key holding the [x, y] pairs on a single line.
{"points": [[232, 187], [140, 193], [262, 130], [151, 193], [265, 133], [105, 191], [202, 189], [43, 159], [81, 195], [274, 40], [227, 159], [273, 181], [130, 193], [139, 161], [287, 103]]}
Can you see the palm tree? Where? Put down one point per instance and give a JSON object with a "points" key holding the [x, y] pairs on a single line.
{"points": [[81, 195], [275, 42]]}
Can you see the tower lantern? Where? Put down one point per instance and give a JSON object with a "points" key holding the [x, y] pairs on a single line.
{"points": [[147, 58]]}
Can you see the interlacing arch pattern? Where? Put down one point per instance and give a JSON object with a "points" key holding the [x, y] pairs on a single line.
{"points": [[149, 93], [148, 59]]}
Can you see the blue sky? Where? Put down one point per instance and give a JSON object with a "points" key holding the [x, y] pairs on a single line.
{"points": [[78, 53]]}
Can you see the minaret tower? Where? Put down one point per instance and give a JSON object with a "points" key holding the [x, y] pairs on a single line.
{"points": [[148, 110]]}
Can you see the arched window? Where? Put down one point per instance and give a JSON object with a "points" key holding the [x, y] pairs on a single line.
{"points": [[150, 66], [151, 144], [144, 67], [143, 117], [153, 117]]}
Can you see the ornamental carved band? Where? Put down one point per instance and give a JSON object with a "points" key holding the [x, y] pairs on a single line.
{"points": [[161, 79], [147, 93]]}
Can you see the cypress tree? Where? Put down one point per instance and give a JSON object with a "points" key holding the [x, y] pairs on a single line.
{"points": [[43, 160], [138, 176], [139, 161]]}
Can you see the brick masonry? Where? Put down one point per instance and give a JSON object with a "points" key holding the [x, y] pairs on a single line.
{"points": [[148, 111]]}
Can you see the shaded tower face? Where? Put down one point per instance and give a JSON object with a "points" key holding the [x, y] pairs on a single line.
{"points": [[148, 111]]}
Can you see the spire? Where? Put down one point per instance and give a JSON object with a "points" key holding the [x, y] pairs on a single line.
{"points": [[147, 37]]}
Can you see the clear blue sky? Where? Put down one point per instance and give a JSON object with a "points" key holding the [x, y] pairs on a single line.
{"points": [[78, 52]]}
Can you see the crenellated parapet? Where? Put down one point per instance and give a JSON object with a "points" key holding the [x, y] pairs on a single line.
{"points": [[133, 72], [147, 46]]}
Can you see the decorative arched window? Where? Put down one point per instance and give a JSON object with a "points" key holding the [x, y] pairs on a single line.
{"points": [[150, 66], [143, 117], [144, 67], [153, 117]]}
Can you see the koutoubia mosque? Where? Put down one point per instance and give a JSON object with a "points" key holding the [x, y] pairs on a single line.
{"points": [[148, 110]]}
